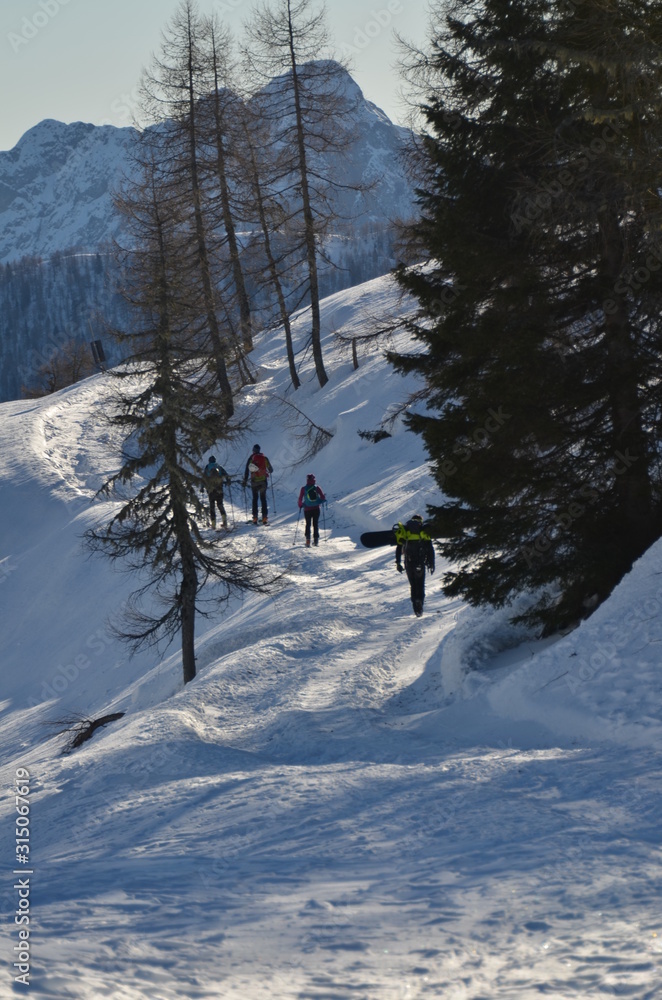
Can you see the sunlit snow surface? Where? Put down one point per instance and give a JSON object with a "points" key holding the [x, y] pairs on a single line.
{"points": [[347, 802]]}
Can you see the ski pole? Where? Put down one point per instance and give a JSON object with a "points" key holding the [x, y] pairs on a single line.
{"points": [[297, 527], [230, 496], [273, 496]]}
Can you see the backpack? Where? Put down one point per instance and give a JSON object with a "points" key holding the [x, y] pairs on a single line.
{"points": [[414, 541], [258, 467], [214, 475], [311, 495], [409, 532]]}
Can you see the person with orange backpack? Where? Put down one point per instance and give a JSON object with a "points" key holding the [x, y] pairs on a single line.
{"points": [[311, 498], [258, 467]]}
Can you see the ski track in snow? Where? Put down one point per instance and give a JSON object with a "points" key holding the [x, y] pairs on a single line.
{"points": [[348, 802]]}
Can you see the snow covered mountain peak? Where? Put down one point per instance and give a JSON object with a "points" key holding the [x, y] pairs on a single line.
{"points": [[56, 183], [55, 188]]}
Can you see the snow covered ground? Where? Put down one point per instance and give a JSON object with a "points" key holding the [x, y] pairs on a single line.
{"points": [[348, 801]]}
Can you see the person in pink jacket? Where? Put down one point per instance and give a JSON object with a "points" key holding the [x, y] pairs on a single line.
{"points": [[311, 498]]}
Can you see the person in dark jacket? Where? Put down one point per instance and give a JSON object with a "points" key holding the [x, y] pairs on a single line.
{"points": [[215, 477], [311, 498], [418, 550], [259, 468]]}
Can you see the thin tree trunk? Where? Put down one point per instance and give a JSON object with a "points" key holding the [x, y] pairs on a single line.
{"points": [[228, 220], [631, 457], [203, 256], [273, 269], [245, 375], [309, 222], [189, 590], [189, 584]]}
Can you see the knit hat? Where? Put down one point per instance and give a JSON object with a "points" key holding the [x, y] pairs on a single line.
{"points": [[310, 478]]}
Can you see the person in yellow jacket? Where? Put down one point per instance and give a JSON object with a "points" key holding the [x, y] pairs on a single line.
{"points": [[415, 544]]}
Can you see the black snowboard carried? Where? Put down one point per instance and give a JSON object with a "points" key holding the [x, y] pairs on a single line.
{"points": [[375, 539]]}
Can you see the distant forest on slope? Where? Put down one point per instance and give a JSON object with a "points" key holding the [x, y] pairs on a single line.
{"points": [[46, 303], [76, 296]]}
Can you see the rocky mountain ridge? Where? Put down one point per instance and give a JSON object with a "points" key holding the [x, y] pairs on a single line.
{"points": [[56, 184], [58, 279]]}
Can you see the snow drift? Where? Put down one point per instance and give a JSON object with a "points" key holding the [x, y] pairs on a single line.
{"points": [[347, 801]]}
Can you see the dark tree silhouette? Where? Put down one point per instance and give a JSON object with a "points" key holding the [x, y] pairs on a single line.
{"points": [[170, 409], [540, 294]]}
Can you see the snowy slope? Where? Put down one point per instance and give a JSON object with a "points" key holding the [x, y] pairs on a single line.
{"points": [[347, 802]]}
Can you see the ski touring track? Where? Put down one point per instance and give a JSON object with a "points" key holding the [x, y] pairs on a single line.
{"points": [[320, 815], [338, 647], [357, 783]]}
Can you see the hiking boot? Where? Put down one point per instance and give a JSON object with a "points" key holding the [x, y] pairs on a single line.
{"points": [[254, 520], [316, 541], [265, 521], [308, 543], [418, 608], [225, 523]]}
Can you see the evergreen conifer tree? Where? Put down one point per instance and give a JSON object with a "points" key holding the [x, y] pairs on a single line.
{"points": [[170, 410], [540, 294]]}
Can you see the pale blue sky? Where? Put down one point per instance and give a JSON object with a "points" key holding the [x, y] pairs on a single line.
{"points": [[80, 60]]}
